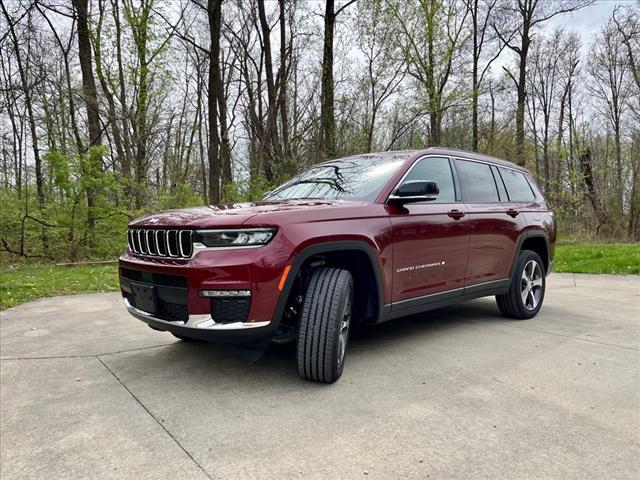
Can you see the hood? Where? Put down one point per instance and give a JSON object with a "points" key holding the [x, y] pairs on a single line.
{"points": [[233, 214]]}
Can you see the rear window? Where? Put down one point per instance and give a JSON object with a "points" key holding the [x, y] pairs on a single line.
{"points": [[477, 182], [517, 186]]}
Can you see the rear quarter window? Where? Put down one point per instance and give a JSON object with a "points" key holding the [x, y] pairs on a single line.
{"points": [[517, 185]]}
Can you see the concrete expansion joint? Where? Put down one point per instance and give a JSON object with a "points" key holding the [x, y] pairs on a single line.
{"points": [[577, 338], [144, 407], [89, 355]]}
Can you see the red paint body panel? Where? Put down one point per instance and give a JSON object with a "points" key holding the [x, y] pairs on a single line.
{"points": [[430, 250], [493, 241], [418, 249]]}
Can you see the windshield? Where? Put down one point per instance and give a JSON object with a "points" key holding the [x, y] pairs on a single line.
{"points": [[357, 178]]}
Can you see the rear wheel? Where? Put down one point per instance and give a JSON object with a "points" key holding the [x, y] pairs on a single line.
{"points": [[526, 292], [325, 321]]}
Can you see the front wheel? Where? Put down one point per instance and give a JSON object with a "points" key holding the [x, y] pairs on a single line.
{"points": [[526, 292], [325, 321]]}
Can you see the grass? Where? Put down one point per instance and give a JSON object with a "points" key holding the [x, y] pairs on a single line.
{"points": [[22, 283], [618, 258], [19, 284]]}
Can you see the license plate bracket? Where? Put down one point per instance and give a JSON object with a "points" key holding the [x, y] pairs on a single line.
{"points": [[145, 297]]}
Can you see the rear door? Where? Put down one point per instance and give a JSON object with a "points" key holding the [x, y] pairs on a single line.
{"points": [[494, 223], [430, 239]]}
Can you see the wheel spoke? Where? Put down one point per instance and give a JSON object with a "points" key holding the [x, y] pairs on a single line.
{"points": [[532, 269], [537, 282], [534, 300], [525, 296]]}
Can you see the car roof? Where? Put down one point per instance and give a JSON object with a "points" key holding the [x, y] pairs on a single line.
{"points": [[449, 152], [454, 152]]}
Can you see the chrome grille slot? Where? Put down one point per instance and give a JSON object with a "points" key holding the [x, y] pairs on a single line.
{"points": [[160, 243], [184, 241], [172, 243], [142, 241], [151, 242]]}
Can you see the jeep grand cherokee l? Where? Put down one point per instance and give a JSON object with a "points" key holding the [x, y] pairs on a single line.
{"points": [[361, 239]]}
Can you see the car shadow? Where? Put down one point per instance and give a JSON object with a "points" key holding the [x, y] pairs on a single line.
{"points": [[366, 343]]}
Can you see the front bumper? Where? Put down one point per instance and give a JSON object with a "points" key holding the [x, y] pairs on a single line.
{"points": [[203, 327], [181, 309]]}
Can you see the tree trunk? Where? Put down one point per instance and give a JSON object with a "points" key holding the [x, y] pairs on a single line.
{"points": [[590, 183], [86, 65], [284, 73], [214, 11], [271, 131], [522, 95], [91, 101], [327, 115], [475, 86]]}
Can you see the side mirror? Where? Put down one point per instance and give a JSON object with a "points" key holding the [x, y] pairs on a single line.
{"points": [[414, 191]]}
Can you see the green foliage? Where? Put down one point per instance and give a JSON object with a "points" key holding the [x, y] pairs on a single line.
{"points": [[179, 197], [58, 165], [247, 190], [27, 282], [598, 258]]}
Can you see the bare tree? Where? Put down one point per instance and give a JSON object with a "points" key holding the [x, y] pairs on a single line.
{"points": [[522, 18], [431, 36], [610, 86], [327, 112], [28, 99], [484, 53], [384, 71]]}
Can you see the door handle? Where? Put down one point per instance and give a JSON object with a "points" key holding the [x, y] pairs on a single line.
{"points": [[512, 212], [455, 214]]}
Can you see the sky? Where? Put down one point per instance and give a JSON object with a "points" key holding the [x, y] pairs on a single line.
{"points": [[587, 21]]}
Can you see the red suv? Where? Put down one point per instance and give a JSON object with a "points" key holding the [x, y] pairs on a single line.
{"points": [[361, 239]]}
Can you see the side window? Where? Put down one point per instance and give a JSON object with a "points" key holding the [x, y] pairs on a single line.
{"points": [[435, 169], [477, 182], [517, 185], [501, 190]]}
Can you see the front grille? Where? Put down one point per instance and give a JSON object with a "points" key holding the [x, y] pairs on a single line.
{"points": [[161, 243], [227, 310], [154, 278]]}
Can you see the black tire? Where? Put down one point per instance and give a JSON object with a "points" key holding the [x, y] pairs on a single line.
{"points": [[327, 305], [512, 304]]}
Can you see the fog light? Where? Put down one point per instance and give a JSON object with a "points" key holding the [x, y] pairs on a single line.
{"points": [[225, 293]]}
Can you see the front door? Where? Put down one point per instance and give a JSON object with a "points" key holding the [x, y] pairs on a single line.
{"points": [[430, 239]]}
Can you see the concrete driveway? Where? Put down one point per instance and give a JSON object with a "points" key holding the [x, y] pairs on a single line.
{"points": [[89, 392]]}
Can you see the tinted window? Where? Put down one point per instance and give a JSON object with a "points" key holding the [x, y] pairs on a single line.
{"points": [[517, 186], [435, 169], [477, 182], [358, 178]]}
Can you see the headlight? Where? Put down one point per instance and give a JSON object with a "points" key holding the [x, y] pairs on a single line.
{"points": [[235, 238]]}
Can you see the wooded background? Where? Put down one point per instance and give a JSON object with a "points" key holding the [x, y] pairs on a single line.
{"points": [[113, 108]]}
